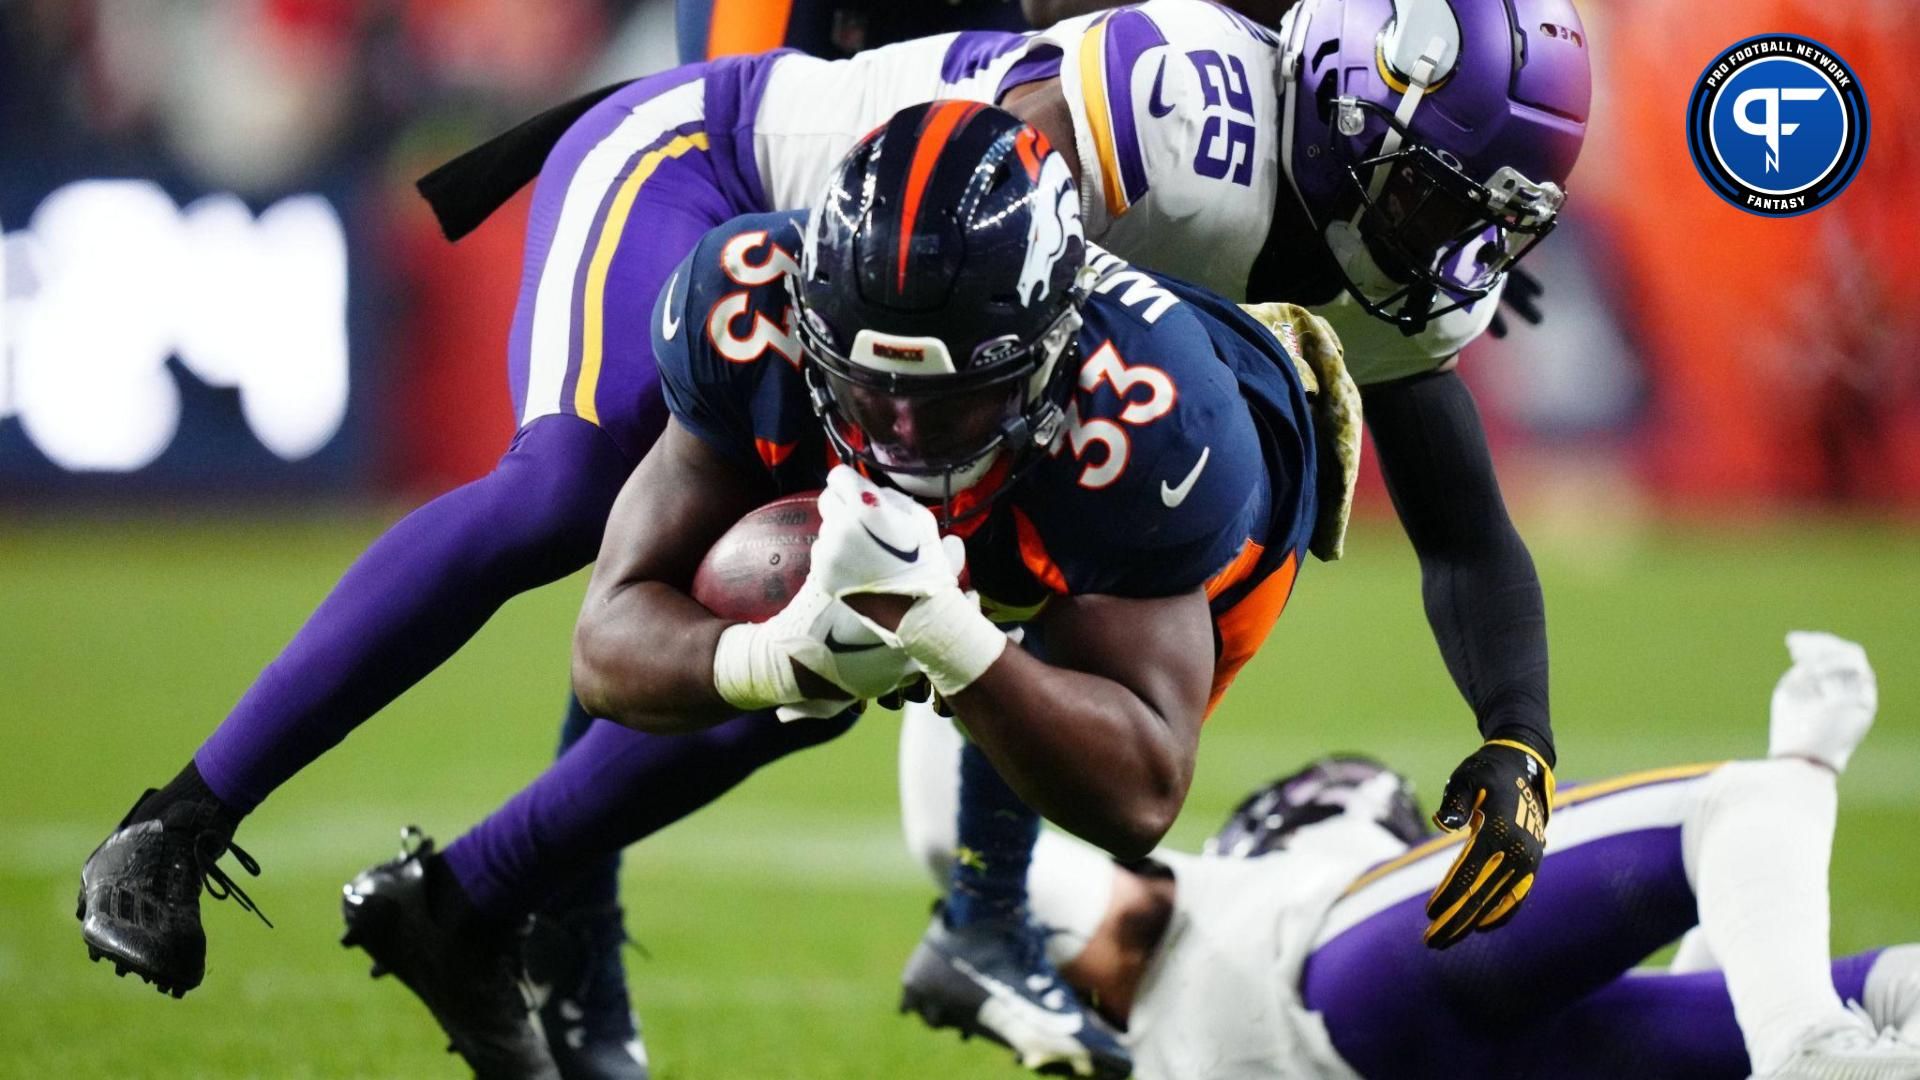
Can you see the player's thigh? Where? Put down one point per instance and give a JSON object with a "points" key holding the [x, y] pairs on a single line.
{"points": [[1613, 890], [625, 195]]}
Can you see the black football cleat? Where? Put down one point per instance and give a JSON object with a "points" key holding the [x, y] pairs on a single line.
{"points": [[992, 978], [139, 903], [411, 919], [573, 961]]}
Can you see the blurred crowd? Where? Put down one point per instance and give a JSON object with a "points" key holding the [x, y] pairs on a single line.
{"points": [[1690, 351]]}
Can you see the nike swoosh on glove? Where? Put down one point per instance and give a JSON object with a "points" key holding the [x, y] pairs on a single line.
{"points": [[1501, 795], [877, 540]]}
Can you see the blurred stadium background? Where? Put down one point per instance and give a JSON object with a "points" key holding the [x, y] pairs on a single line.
{"points": [[233, 347]]}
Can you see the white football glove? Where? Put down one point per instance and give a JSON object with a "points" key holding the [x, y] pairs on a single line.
{"points": [[1824, 704], [875, 540], [753, 663]]}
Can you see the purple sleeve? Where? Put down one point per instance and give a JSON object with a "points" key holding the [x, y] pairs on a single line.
{"points": [[414, 597]]}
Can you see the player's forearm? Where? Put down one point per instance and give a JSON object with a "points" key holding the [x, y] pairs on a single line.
{"points": [[1481, 591], [1086, 752], [428, 585], [643, 657]]}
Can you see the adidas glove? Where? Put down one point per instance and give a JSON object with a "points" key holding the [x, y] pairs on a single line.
{"points": [[1501, 796]]}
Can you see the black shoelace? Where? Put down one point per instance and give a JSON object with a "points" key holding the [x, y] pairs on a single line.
{"points": [[211, 875]]}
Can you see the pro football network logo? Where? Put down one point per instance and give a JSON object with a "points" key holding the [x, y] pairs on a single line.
{"points": [[1777, 125]]}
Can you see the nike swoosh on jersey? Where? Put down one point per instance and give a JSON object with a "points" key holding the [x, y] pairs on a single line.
{"points": [[834, 645], [1155, 105], [669, 325], [1174, 496], [903, 554]]}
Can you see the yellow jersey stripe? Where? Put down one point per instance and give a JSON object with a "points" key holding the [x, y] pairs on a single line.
{"points": [[593, 306], [1093, 92], [1572, 796], [1633, 780]]}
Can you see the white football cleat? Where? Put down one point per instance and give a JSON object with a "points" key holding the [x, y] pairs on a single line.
{"points": [[1892, 994], [1848, 1049], [1824, 705]]}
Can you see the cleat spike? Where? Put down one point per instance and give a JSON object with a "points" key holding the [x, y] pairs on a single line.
{"points": [[120, 970], [377, 971]]}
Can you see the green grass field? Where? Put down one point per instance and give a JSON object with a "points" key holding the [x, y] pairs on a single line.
{"points": [[775, 923]]}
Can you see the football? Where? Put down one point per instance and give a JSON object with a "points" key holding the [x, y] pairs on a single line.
{"points": [[757, 565]]}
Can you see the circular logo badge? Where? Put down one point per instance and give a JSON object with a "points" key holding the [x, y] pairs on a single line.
{"points": [[1777, 125]]}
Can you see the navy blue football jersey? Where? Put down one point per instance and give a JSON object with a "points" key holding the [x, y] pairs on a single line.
{"points": [[1187, 458]]}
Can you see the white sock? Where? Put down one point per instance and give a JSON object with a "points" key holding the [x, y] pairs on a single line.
{"points": [[1756, 849], [930, 789], [1892, 994], [1069, 886]]}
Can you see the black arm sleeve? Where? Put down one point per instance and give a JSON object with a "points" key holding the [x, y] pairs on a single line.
{"points": [[1482, 594]]}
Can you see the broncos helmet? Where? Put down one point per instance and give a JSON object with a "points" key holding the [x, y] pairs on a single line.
{"points": [[941, 280], [1430, 140], [1341, 784]]}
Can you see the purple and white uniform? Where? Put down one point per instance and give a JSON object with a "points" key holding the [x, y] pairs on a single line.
{"points": [[1175, 118], [1308, 963]]}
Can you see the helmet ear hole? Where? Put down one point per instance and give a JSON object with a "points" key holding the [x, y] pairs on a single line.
{"points": [[1324, 93]]}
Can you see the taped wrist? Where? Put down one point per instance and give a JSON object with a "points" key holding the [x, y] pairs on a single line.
{"points": [[750, 669], [946, 634]]}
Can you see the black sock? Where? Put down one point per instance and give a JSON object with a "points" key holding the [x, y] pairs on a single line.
{"points": [[188, 803]]}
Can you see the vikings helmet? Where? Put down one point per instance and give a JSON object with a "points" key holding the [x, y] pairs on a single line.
{"points": [[940, 286], [1430, 140], [1341, 784]]}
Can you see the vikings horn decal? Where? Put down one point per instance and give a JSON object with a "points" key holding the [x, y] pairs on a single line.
{"points": [[1417, 25]]}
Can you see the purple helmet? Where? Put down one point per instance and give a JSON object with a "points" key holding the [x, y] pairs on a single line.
{"points": [[1430, 140]]}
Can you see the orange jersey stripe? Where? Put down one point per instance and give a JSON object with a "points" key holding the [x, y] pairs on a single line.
{"points": [[1034, 554], [1244, 626], [1236, 571], [738, 27], [940, 124]]}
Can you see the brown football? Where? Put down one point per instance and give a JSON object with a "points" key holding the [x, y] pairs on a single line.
{"points": [[755, 568]]}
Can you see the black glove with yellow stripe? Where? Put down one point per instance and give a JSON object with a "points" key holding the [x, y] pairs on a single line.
{"points": [[1501, 795]]}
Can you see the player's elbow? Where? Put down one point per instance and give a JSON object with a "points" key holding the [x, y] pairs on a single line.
{"points": [[593, 683], [1130, 829], [1040, 13], [1140, 818]]}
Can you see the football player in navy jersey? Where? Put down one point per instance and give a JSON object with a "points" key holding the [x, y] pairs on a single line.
{"points": [[1190, 124], [1128, 464]]}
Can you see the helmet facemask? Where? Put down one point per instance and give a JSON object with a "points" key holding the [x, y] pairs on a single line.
{"points": [[937, 434], [1426, 239]]}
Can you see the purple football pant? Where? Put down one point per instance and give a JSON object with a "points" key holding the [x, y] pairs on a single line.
{"points": [[625, 194], [613, 787], [1552, 994]]}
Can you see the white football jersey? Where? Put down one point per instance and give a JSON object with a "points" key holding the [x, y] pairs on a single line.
{"points": [[1220, 999], [814, 110], [1176, 121]]}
